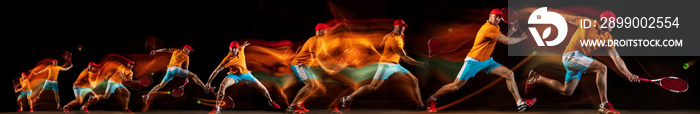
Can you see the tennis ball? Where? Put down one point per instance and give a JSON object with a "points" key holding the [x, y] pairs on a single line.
{"points": [[151, 74], [534, 52], [168, 92], [685, 65], [199, 102]]}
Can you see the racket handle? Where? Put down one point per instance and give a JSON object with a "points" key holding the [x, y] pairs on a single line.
{"points": [[644, 80]]}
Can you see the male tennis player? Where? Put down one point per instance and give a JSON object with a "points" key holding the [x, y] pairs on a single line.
{"points": [[301, 64], [389, 64], [25, 92], [123, 74], [179, 58], [52, 77], [479, 59], [238, 71], [82, 86], [576, 62]]}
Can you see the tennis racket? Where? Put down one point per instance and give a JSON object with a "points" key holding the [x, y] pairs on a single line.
{"points": [[228, 103], [145, 81], [511, 17], [673, 84], [67, 55], [16, 82], [179, 91], [435, 46]]}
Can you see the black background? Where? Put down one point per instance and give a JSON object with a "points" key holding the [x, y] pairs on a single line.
{"points": [[43, 30]]}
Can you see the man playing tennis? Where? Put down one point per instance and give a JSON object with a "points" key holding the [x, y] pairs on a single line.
{"points": [[25, 92], [479, 58], [51, 82], [82, 86], [179, 58], [389, 64], [301, 64], [115, 82], [576, 62], [238, 71]]}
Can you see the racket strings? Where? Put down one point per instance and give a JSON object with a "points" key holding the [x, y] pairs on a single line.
{"points": [[674, 84]]}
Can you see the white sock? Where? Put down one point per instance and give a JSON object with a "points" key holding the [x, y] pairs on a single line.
{"points": [[432, 98], [519, 102], [603, 104]]}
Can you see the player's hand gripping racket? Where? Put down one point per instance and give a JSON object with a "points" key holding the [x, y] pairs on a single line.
{"points": [[673, 84], [16, 82]]}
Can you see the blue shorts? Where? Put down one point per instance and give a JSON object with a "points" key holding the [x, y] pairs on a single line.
{"points": [[175, 72], [384, 70], [81, 92], [111, 86], [575, 64], [472, 66], [242, 77], [302, 72], [51, 85], [24, 94]]}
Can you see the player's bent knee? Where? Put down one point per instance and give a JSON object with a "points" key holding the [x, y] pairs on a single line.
{"points": [[508, 75], [567, 93]]}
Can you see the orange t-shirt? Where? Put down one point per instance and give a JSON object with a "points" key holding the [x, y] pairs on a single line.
{"points": [[121, 70], [53, 72], [584, 34], [84, 78], [25, 84], [392, 46], [485, 41], [179, 56], [304, 55], [235, 63]]}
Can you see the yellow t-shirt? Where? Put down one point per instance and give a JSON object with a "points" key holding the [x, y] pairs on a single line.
{"points": [[122, 70], [304, 55], [179, 56], [485, 41], [53, 72], [392, 46], [235, 63], [84, 78], [592, 34]]}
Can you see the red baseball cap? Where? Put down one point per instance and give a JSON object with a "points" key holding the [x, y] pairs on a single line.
{"points": [[54, 60], [132, 62], [24, 74], [321, 26], [235, 43], [188, 47], [497, 11], [92, 64], [400, 22], [608, 14]]}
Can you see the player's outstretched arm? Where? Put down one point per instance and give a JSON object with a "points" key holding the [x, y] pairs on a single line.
{"points": [[66, 66], [511, 40], [408, 59], [620, 64], [153, 52], [40, 71], [213, 74], [245, 44]]}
